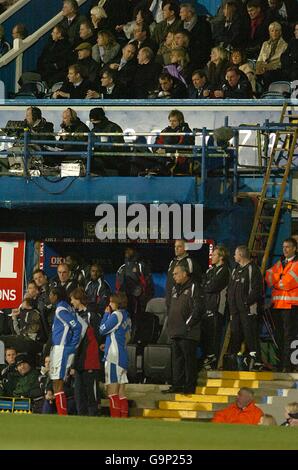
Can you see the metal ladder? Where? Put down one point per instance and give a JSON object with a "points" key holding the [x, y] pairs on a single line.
{"points": [[264, 225]]}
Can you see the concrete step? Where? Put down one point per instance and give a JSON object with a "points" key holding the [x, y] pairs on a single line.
{"points": [[243, 375], [203, 398], [263, 384], [189, 406], [270, 400], [233, 391]]}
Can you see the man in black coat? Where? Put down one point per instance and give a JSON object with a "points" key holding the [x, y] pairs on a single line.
{"points": [[72, 124], [199, 34], [55, 58], [215, 283], [89, 67], [245, 293], [171, 88], [236, 86], [109, 158], [146, 76], [199, 84], [76, 86], [126, 68], [184, 326], [72, 20]]}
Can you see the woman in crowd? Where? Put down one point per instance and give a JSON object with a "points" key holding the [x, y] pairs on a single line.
{"points": [[106, 48], [216, 70], [238, 58]]}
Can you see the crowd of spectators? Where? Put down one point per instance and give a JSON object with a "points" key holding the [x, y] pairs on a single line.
{"points": [[131, 50]]}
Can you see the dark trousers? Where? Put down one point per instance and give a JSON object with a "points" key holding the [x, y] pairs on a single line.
{"points": [[184, 363], [245, 327], [212, 324], [86, 392], [285, 331]]}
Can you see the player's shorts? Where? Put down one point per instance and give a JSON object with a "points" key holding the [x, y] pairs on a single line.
{"points": [[115, 374], [60, 362]]}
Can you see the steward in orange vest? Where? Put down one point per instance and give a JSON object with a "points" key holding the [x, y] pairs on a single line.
{"points": [[243, 411], [283, 279]]}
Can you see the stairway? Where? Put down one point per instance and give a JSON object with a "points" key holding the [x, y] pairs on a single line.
{"points": [[215, 391]]}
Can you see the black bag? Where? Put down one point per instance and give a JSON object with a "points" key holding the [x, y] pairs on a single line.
{"points": [[230, 362]]}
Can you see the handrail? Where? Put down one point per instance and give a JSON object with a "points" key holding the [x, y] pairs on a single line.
{"points": [[22, 46], [12, 10]]}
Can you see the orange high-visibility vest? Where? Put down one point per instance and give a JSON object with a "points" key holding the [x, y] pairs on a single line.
{"points": [[284, 283]]}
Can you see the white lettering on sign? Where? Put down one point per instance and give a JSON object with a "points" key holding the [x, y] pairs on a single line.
{"points": [[8, 295], [6, 260]]}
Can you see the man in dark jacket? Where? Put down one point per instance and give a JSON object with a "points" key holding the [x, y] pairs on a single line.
{"points": [[171, 87], [184, 317], [63, 279], [245, 294], [27, 384], [55, 58], [215, 283], [72, 20], [97, 290], [182, 258], [88, 66], [146, 76], [101, 124], [236, 86], [72, 124], [8, 375]]}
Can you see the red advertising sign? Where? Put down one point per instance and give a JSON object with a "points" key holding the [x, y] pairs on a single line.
{"points": [[12, 257]]}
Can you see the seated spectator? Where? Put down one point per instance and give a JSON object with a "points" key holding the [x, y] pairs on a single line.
{"points": [[19, 31], [181, 40], [8, 375], [163, 56], [4, 46], [141, 16], [126, 67], [289, 58], [170, 87], [88, 66], [243, 411], [109, 89], [55, 58], [178, 164], [268, 67], [101, 124], [146, 76], [216, 69], [106, 48], [76, 87], [178, 67], [72, 21], [285, 13], [37, 124], [267, 420], [239, 60], [232, 30], [171, 21], [141, 37], [199, 85], [200, 38], [99, 19], [97, 290], [26, 322], [27, 385], [86, 34], [291, 414], [258, 28], [236, 86]]}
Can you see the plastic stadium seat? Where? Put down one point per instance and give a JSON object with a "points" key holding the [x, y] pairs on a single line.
{"points": [[278, 90], [135, 364], [158, 307], [158, 363], [282, 87]]}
